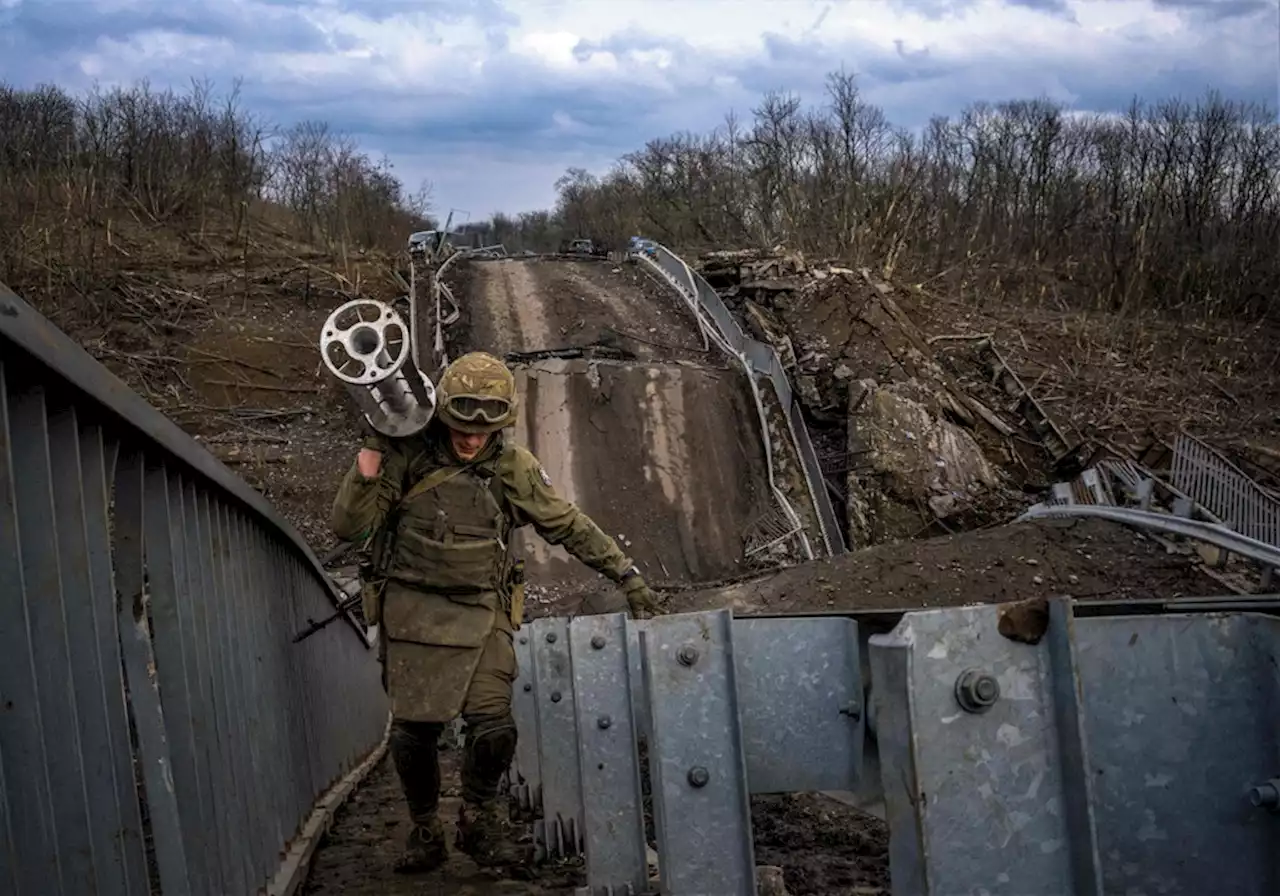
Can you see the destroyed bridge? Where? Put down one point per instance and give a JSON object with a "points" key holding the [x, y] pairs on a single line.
{"points": [[163, 731]]}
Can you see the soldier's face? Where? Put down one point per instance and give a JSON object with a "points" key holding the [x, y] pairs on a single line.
{"points": [[467, 444]]}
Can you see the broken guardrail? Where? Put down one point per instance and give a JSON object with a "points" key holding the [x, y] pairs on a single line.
{"points": [[758, 359], [1021, 748], [1211, 501]]}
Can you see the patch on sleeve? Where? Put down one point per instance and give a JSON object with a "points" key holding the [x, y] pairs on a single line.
{"points": [[542, 474]]}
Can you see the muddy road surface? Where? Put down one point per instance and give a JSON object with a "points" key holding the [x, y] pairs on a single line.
{"points": [[525, 307], [653, 437]]}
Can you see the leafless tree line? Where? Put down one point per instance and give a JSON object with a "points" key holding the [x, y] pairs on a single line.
{"points": [[195, 160], [1172, 206]]}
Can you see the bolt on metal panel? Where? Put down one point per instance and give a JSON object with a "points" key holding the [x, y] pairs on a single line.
{"points": [[800, 696], [973, 762], [702, 808], [1183, 716], [525, 776], [561, 824], [612, 799]]}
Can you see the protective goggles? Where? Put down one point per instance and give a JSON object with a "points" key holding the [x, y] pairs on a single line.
{"points": [[470, 408]]}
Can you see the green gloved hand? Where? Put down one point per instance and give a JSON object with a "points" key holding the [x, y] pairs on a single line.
{"points": [[640, 599]]}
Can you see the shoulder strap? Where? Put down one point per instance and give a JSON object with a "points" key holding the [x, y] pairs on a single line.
{"points": [[498, 492], [438, 476]]}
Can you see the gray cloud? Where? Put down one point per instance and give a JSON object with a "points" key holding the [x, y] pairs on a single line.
{"points": [[1220, 9], [475, 134], [942, 8], [75, 26]]}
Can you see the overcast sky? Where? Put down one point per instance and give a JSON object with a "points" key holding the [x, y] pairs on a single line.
{"points": [[492, 99]]}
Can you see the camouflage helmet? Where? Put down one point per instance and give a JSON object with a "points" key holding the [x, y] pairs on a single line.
{"points": [[477, 394]]}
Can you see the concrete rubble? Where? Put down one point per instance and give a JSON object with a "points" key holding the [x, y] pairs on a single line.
{"points": [[913, 455]]}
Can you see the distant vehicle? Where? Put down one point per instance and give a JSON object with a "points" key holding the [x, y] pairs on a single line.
{"points": [[638, 245], [582, 247]]}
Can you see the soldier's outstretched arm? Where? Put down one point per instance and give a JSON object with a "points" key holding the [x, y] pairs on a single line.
{"points": [[368, 490], [560, 521]]}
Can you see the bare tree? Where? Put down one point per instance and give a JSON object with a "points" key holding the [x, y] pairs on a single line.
{"points": [[1173, 206]]}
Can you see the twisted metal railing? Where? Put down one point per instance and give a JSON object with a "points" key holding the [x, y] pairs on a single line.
{"points": [[160, 732], [757, 359]]}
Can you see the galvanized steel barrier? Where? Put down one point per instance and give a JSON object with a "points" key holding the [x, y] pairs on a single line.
{"points": [[1028, 749], [1225, 490], [760, 359], [159, 732]]}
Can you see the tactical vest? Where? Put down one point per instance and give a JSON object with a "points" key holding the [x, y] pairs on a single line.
{"points": [[452, 531]]}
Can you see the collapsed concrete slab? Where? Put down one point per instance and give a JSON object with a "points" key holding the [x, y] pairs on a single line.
{"points": [[911, 460], [665, 457]]}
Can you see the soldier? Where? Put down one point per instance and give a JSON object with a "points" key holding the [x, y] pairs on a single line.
{"points": [[441, 507]]}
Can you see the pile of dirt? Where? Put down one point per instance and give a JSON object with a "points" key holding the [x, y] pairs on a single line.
{"points": [[1079, 558], [822, 846], [902, 379]]}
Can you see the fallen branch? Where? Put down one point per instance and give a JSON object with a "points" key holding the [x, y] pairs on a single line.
{"points": [[226, 360], [234, 384]]}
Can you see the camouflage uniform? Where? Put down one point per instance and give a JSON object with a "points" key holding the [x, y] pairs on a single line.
{"points": [[442, 530]]}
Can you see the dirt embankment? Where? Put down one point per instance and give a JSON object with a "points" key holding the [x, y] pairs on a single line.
{"points": [[1084, 559], [916, 399], [220, 331]]}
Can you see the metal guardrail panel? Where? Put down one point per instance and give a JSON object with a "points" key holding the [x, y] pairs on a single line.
{"points": [[162, 733], [558, 742], [1183, 719], [944, 767], [800, 694], [701, 802], [612, 797], [1115, 755], [1225, 490], [1029, 749]]}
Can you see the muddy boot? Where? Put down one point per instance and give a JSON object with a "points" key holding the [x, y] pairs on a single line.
{"points": [[413, 748], [484, 835], [424, 850]]}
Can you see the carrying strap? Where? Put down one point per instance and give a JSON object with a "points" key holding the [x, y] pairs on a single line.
{"points": [[431, 480], [444, 474]]}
